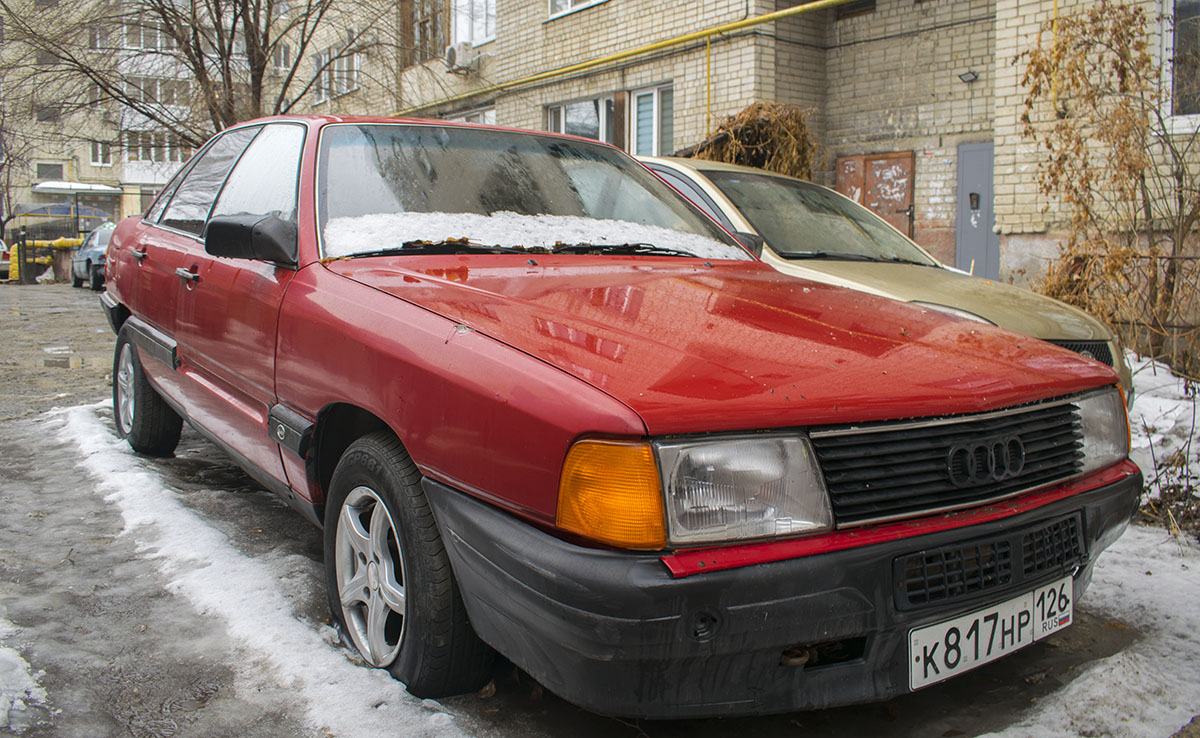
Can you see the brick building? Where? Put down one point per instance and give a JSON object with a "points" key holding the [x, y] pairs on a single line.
{"points": [[915, 102]]}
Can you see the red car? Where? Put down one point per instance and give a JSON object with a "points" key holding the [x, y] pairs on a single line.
{"points": [[542, 405]]}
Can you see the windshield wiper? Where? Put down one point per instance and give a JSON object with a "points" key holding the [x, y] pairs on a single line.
{"points": [[648, 249], [831, 255], [448, 246], [902, 260]]}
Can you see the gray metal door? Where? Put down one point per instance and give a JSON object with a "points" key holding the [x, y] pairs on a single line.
{"points": [[977, 245]]}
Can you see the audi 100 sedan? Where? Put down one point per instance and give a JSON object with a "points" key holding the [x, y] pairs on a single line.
{"points": [[543, 406]]}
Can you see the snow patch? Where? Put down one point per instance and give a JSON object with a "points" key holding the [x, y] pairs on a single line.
{"points": [[341, 698], [355, 234], [19, 688], [1162, 419]]}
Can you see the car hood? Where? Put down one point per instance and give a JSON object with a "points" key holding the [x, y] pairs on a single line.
{"points": [[1003, 304], [693, 347]]}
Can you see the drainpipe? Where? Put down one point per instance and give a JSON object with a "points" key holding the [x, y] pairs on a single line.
{"points": [[622, 55]]}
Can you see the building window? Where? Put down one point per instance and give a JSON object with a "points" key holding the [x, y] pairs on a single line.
{"points": [[592, 118], [1185, 59], [101, 154], [147, 35], [97, 38], [282, 58], [487, 116], [474, 21], [50, 171], [157, 91], [337, 70], [562, 7], [652, 118], [857, 7], [47, 113], [155, 146], [424, 31]]}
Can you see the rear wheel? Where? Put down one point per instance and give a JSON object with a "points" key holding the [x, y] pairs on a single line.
{"points": [[141, 416], [96, 274], [388, 576], [76, 281]]}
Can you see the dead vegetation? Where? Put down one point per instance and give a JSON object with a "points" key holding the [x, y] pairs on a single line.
{"points": [[766, 135]]}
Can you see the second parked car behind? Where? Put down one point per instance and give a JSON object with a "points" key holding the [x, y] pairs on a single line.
{"points": [[87, 262], [815, 233]]}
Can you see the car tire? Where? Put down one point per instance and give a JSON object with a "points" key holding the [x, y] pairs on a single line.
{"points": [[388, 576], [76, 281], [141, 416], [96, 275]]}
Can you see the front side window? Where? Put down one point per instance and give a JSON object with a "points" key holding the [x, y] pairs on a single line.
{"points": [[594, 119], [265, 179], [396, 187], [653, 121], [805, 221], [193, 199], [474, 21]]}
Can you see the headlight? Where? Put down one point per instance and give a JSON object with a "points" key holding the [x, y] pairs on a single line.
{"points": [[1105, 429], [953, 311], [739, 488]]}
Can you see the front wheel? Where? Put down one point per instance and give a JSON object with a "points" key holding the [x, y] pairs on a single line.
{"points": [[96, 276], [141, 416], [388, 576]]}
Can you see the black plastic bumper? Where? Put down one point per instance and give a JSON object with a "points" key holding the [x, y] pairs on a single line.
{"points": [[616, 633]]}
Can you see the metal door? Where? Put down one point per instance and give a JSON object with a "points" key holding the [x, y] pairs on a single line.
{"points": [[977, 245], [881, 182]]}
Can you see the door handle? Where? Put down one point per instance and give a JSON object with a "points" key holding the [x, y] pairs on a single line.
{"points": [[187, 274], [139, 254]]}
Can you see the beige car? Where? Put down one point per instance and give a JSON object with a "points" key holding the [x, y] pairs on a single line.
{"points": [[816, 233]]}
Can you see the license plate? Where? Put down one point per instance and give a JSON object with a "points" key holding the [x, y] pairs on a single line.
{"points": [[949, 648]]}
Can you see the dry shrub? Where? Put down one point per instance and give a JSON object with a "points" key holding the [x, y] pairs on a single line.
{"points": [[766, 135]]}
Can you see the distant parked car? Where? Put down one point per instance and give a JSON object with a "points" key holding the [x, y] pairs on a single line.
{"points": [[4, 260], [816, 233], [87, 263]]}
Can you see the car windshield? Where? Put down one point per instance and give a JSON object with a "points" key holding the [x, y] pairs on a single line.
{"points": [[805, 221], [385, 187]]}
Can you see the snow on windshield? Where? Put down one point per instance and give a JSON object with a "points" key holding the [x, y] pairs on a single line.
{"points": [[349, 235]]}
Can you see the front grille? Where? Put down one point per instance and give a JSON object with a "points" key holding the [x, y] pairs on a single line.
{"points": [[975, 568], [950, 573], [1097, 350], [897, 470], [1053, 546]]}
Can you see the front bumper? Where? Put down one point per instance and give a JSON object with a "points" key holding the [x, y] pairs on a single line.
{"points": [[615, 632]]}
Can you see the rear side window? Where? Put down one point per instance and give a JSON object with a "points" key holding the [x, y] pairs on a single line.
{"points": [[264, 182], [190, 205]]}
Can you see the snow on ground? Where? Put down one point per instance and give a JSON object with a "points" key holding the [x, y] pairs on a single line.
{"points": [[19, 688], [341, 698], [1162, 419]]}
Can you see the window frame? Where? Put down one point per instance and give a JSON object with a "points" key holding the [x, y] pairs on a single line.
{"points": [[572, 7], [656, 123], [101, 152], [456, 11], [603, 124], [1176, 123]]}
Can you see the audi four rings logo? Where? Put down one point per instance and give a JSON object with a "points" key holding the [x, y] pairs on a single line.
{"points": [[988, 460]]}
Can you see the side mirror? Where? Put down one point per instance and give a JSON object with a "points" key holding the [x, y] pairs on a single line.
{"points": [[751, 241], [261, 237]]}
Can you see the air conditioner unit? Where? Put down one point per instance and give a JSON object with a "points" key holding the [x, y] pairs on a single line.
{"points": [[460, 57]]}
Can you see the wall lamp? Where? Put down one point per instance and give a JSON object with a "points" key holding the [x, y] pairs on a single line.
{"points": [[969, 76]]}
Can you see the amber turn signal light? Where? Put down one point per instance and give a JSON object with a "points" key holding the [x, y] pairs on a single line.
{"points": [[610, 492]]}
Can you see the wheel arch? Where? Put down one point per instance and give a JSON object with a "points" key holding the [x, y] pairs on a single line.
{"points": [[337, 426]]}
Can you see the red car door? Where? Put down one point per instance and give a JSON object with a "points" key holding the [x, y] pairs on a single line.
{"points": [[228, 308]]}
